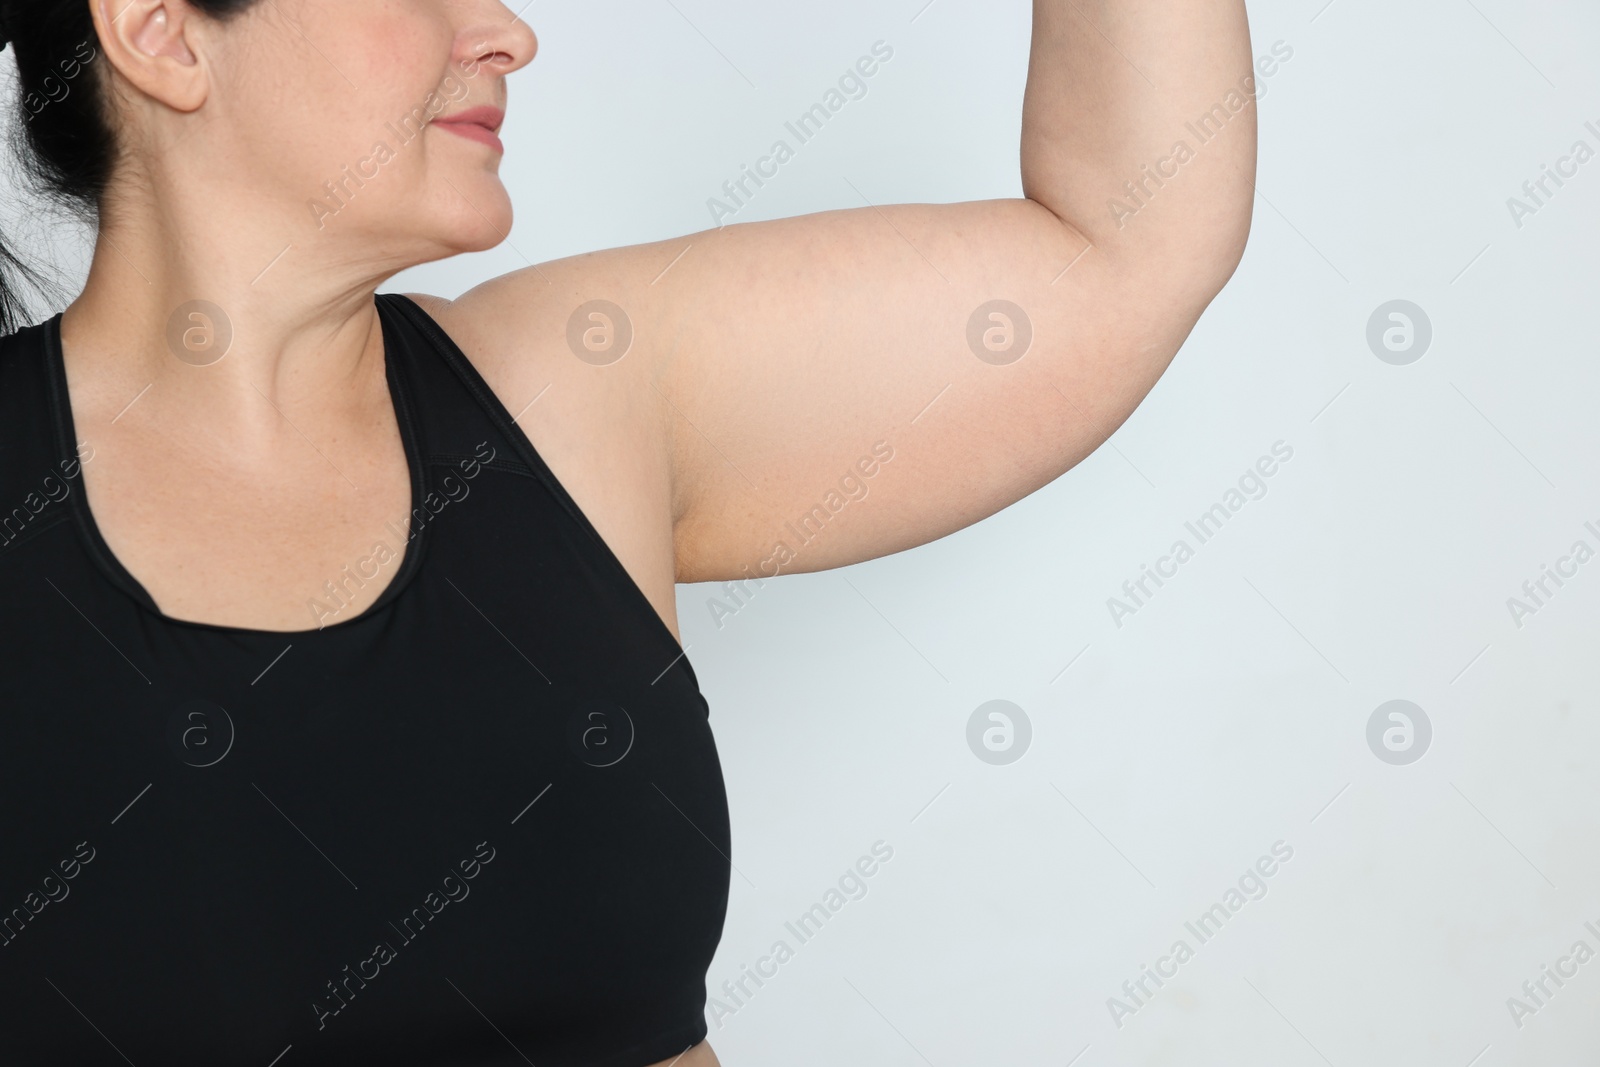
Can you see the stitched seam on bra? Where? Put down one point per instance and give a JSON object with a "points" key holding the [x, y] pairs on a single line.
{"points": [[450, 459], [33, 530]]}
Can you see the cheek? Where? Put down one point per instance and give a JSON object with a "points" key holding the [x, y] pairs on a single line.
{"points": [[396, 62], [362, 68], [327, 130], [395, 50]]}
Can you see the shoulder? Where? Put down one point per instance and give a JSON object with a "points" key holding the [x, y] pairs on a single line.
{"points": [[572, 369], [487, 332], [546, 334], [597, 422], [572, 318]]}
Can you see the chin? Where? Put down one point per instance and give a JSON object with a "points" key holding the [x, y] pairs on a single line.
{"points": [[481, 226], [476, 236], [462, 213]]}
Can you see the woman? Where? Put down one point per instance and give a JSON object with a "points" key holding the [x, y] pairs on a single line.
{"points": [[347, 719]]}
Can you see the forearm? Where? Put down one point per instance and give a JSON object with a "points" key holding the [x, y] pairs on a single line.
{"points": [[1139, 129]]}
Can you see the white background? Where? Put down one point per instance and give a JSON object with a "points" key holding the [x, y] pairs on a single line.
{"points": [[1230, 712]]}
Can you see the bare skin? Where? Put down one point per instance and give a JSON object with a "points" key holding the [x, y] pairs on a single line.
{"points": [[766, 362], [699, 1056]]}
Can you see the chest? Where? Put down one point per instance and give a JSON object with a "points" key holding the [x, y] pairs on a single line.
{"points": [[255, 543], [505, 774]]}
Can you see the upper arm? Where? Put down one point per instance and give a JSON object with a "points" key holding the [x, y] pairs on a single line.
{"points": [[812, 391], [833, 387], [986, 347]]}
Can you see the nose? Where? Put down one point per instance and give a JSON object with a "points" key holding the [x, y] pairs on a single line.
{"points": [[498, 41]]}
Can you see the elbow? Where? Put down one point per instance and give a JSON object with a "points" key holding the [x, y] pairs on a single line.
{"points": [[1185, 228], [1227, 230], [1227, 249], [1207, 238], [1198, 255], [1238, 213]]}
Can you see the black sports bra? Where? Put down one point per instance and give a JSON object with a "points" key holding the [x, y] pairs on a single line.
{"points": [[481, 822]]}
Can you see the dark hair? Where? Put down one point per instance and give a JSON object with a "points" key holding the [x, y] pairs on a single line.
{"points": [[62, 130]]}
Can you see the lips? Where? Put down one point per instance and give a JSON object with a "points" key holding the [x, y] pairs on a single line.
{"points": [[481, 124]]}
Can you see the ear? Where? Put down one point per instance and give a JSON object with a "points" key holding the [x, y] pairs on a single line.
{"points": [[150, 43]]}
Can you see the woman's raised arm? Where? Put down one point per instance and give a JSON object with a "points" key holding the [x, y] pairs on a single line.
{"points": [[837, 386]]}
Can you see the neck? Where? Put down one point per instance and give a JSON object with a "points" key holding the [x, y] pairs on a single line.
{"points": [[297, 317]]}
